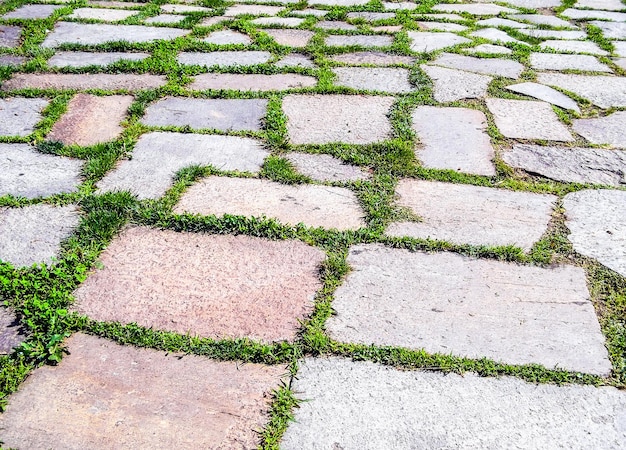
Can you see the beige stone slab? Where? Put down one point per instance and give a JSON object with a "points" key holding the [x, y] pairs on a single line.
{"points": [[83, 81], [252, 82], [217, 286], [104, 395], [291, 38]]}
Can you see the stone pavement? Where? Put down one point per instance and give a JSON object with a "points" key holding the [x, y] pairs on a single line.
{"points": [[332, 224]]}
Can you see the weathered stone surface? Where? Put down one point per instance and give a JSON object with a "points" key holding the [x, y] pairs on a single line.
{"points": [[387, 29], [339, 2], [255, 10], [451, 84], [308, 12], [165, 18], [540, 19], [577, 165], [604, 130], [280, 21], [598, 226], [602, 91], [33, 234], [323, 119], [545, 93], [111, 4], [448, 303], [533, 4], [619, 48], [184, 9], [158, 156], [394, 6], [609, 5], [10, 60], [465, 145], [85, 59], [489, 49], [374, 58], [225, 58], [18, 116], [377, 406], [495, 35], [380, 79], [452, 17], [94, 34], [520, 119], [555, 61], [11, 334], [335, 25], [221, 114], [360, 40], [10, 35], [611, 30], [296, 60], [252, 82], [32, 12], [486, 66], [370, 16], [555, 34], [574, 47], [312, 205], [225, 37], [105, 81], [424, 42], [27, 173], [480, 9], [498, 22], [292, 38], [111, 395], [620, 62], [593, 14], [325, 167], [441, 26], [107, 15]]}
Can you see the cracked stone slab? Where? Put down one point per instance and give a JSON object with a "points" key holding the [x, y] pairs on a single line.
{"points": [[296, 60], [554, 34], [373, 58], [226, 37], [106, 15], [252, 82], [324, 119], [158, 156], [540, 19], [197, 113], [424, 41], [255, 10], [573, 13], [358, 40], [464, 147], [495, 35], [278, 21], [18, 116], [11, 333], [110, 395], [312, 205], [604, 130], [10, 36], [166, 18], [24, 172], [598, 227], [451, 84], [609, 5], [474, 215], [602, 91], [574, 47], [291, 38], [335, 25], [611, 30], [524, 119], [84, 81], [486, 66], [85, 59], [225, 58], [441, 26], [555, 61], [32, 12], [480, 9], [325, 168], [374, 406], [498, 22], [546, 94], [576, 165], [489, 49], [381, 79], [448, 303]]}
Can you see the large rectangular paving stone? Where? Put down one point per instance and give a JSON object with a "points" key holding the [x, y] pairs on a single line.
{"points": [[424, 41], [225, 58], [358, 40], [106, 15], [452, 84], [555, 61], [212, 286], [32, 12], [603, 91], [84, 81], [18, 116], [485, 66], [361, 405], [447, 303], [85, 59], [311, 205], [105, 395], [380, 79], [609, 130], [252, 82]]}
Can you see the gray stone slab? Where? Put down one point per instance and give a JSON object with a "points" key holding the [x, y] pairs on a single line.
{"points": [[540, 19], [611, 30], [370, 16], [184, 9], [521, 119], [325, 168], [296, 60], [379, 407], [478, 9], [106, 15], [85, 59], [25, 172], [573, 13], [390, 29], [225, 58], [555, 34], [573, 47], [424, 42], [33, 234], [158, 156], [619, 48], [11, 333], [282, 2], [395, 6], [324, 119], [105, 81], [111, 4], [441, 26], [225, 37], [221, 114], [577, 165], [252, 82], [609, 5], [291, 38], [312, 205], [335, 25], [597, 224], [10, 35], [358, 40], [451, 84], [32, 12], [254, 10], [489, 49], [495, 35], [165, 18], [372, 58], [279, 21], [609, 130], [308, 12], [486, 66], [546, 94], [94, 34], [620, 62], [452, 17], [381, 79], [602, 91], [213, 20], [465, 145], [18, 116], [498, 22], [475, 215], [556, 61], [10, 60], [534, 4], [339, 2]]}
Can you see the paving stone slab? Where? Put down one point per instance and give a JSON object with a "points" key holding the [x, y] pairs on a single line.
{"points": [[252, 82], [486, 66], [495, 35], [358, 40], [498, 22], [611, 30], [475, 215], [451, 84], [534, 4], [391, 29], [603, 130], [598, 227], [441, 26], [291, 38], [452, 17], [610, 5], [296, 60], [602, 91], [375, 406], [184, 9], [576, 165], [481, 9], [279, 21], [335, 25], [32, 12], [165, 18], [113, 4], [573, 47], [325, 168], [394, 6], [373, 58], [339, 2], [619, 48], [540, 19], [94, 34], [424, 41], [380, 79], [324, 119], [620, 62], [10, 36], [555, 61], [158, 156], [555, 34], [225, 58], [85, 59], [546, 94], [370, 16], [18, 116], [465, 145], [108, 395], [11, 333], [10, 60], [33, 234], [522, 119], [308, 12], [312, 205], [221, 114], [489, 49], [225, 37], [573, 13], [25, 172], [255, 10], [105, 81], [107, 15], [210, 21], [449, 303]]}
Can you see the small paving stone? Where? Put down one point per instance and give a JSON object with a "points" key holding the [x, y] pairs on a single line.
{"points": [[555, 34], [291, 38], [308, 12], [611, 30], [183, 9], [610, 5], [451, 84], [360, 40], [387, 29], [339, 2], [18, 116], [90, 120], [495, 35], [86, 59], [424, 42], [255, 10], [489, 49], [498, 22], [485, 66], [158, 156], [598, 228], [540, 19], [33, 234], [312, 205], [375, 406], [573, 13], [25, 172], [280, 21], [575, 165], [603, 130], [522, 119], [325, 168], [10, 36], [602, 91], [10, 60], [546, 94], [394, 6], [483, 9], [166, 18], [619, 48], [324, 119], [465, 146], [574, 47], [441, 26], [380, 79], [475, 215], [296, 60], [370, 16], [11, 333], [221, 114], [373, 58], [252, 82], [335, 25], [224, 59], [107, 395], [32, 12], [555, 61], [225, 37], [107, 15], [104, 81]]}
